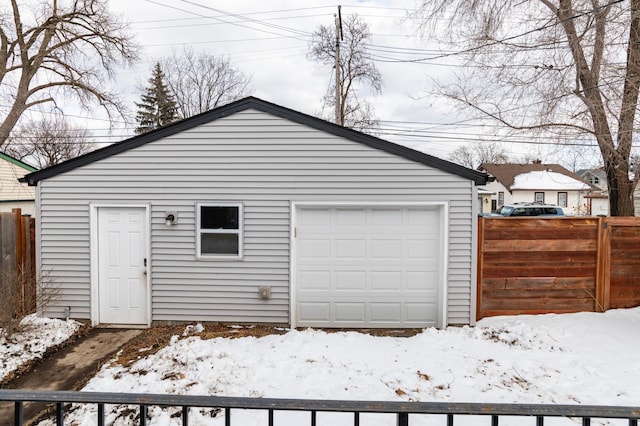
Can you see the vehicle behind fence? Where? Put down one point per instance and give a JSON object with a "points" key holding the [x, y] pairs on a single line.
{"points": [[403, 413]]}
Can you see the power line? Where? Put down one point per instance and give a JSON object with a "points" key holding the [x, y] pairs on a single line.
{"points": [[246, 19], [501, 41], [164, 27], [226, 22], [246, 13]]}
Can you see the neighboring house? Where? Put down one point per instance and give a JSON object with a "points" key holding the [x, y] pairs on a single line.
{"points": [[484, 200], [599, 199], [14, 194], [541, 183], [253, 213], [596, 177]]}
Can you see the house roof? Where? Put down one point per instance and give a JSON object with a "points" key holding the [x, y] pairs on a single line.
{"points": [[592, 172], [548, 180], [17, 162], [257, 104], [522, 176]]}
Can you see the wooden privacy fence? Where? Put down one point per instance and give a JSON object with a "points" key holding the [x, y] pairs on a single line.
{"points": [[17, 262], [557, 265]]}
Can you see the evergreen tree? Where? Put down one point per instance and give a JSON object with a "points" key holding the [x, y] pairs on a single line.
{"points": [[157, 107]]}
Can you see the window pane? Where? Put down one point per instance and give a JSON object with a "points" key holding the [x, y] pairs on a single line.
{"points": [[218, 217], [562, 199], [219, 244]]}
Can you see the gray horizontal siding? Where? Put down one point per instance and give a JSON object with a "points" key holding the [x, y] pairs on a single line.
{"points": [[262, 161]]}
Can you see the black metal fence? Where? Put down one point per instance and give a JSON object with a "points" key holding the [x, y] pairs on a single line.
{"points": [[401, 410]]}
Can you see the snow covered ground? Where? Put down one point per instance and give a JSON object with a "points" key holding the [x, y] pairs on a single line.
{"points": [[584, 358], [39, 334]]}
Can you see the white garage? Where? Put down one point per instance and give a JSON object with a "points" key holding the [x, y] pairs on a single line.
{"points": [[256, 213], [369, 266]]}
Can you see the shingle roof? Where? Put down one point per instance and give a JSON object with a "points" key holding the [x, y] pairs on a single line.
{"points": [[506, 173], [258, 104]]}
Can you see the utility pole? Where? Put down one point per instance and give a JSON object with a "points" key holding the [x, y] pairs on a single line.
{"points": [[339, 117]]}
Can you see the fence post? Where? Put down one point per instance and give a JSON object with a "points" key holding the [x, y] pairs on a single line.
{"points": [[19, 259], [29, 264], [403, 419], [8, 262], [479, 267], [603, 274]]}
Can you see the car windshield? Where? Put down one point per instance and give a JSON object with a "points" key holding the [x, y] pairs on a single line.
{"points": [[505, 210]]}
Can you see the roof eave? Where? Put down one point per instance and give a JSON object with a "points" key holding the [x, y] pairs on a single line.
{"points": [[479, 178], [17, 162]]}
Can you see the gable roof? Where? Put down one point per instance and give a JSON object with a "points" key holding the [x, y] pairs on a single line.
{"points": [[506, 173], [596, 177], [599, 172], [17, 162], [258, 104]]}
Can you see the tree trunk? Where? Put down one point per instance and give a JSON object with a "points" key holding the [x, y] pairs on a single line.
{"points": [[620, 191], [622, 204], [10, 121]]}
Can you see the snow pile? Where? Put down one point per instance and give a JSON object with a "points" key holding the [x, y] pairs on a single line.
{"points": [[547, 180], [38, 335], [584, 358]]}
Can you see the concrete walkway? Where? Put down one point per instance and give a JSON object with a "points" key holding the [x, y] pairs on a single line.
{"points": [[67, 367]]}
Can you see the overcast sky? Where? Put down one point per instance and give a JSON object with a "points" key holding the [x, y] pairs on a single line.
{"points": [[269, 41]]}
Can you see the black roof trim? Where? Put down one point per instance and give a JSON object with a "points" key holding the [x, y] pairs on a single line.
{"points": [[254, 103]]}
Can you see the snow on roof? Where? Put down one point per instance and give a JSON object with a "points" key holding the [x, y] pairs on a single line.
{"points": [[547, 180]]}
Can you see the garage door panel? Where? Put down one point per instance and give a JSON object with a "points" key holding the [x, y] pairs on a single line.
{"points": [[315, 280], [420, 312], [386, 280], [385, 218], [350, 280], [388, 248], [421, 249], [317, 312], [415, 280], [315, 219], [350, 218], [352, 248], [385, 313], [419, 218], [314, 249], [352, 312], [358, 267]]}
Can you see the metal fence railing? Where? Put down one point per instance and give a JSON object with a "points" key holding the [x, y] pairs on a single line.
{"points": [[228, 405]]}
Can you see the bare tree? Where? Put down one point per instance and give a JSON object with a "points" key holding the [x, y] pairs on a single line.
{"points": [[356, 68], [566, 69], [200, 81], [472, 156], [56, 48], [48, 142]]}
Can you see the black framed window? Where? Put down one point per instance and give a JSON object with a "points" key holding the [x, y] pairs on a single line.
{"points": [[219, 230]]}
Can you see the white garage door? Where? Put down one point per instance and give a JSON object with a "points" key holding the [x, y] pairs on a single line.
{"points": [[368, 266]]}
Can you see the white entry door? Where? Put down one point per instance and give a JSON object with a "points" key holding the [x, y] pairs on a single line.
{"points": [[122, 259], [368, 266]]}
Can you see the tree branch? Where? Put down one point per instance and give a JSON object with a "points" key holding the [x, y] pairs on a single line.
{"points": [[59, 48]]}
